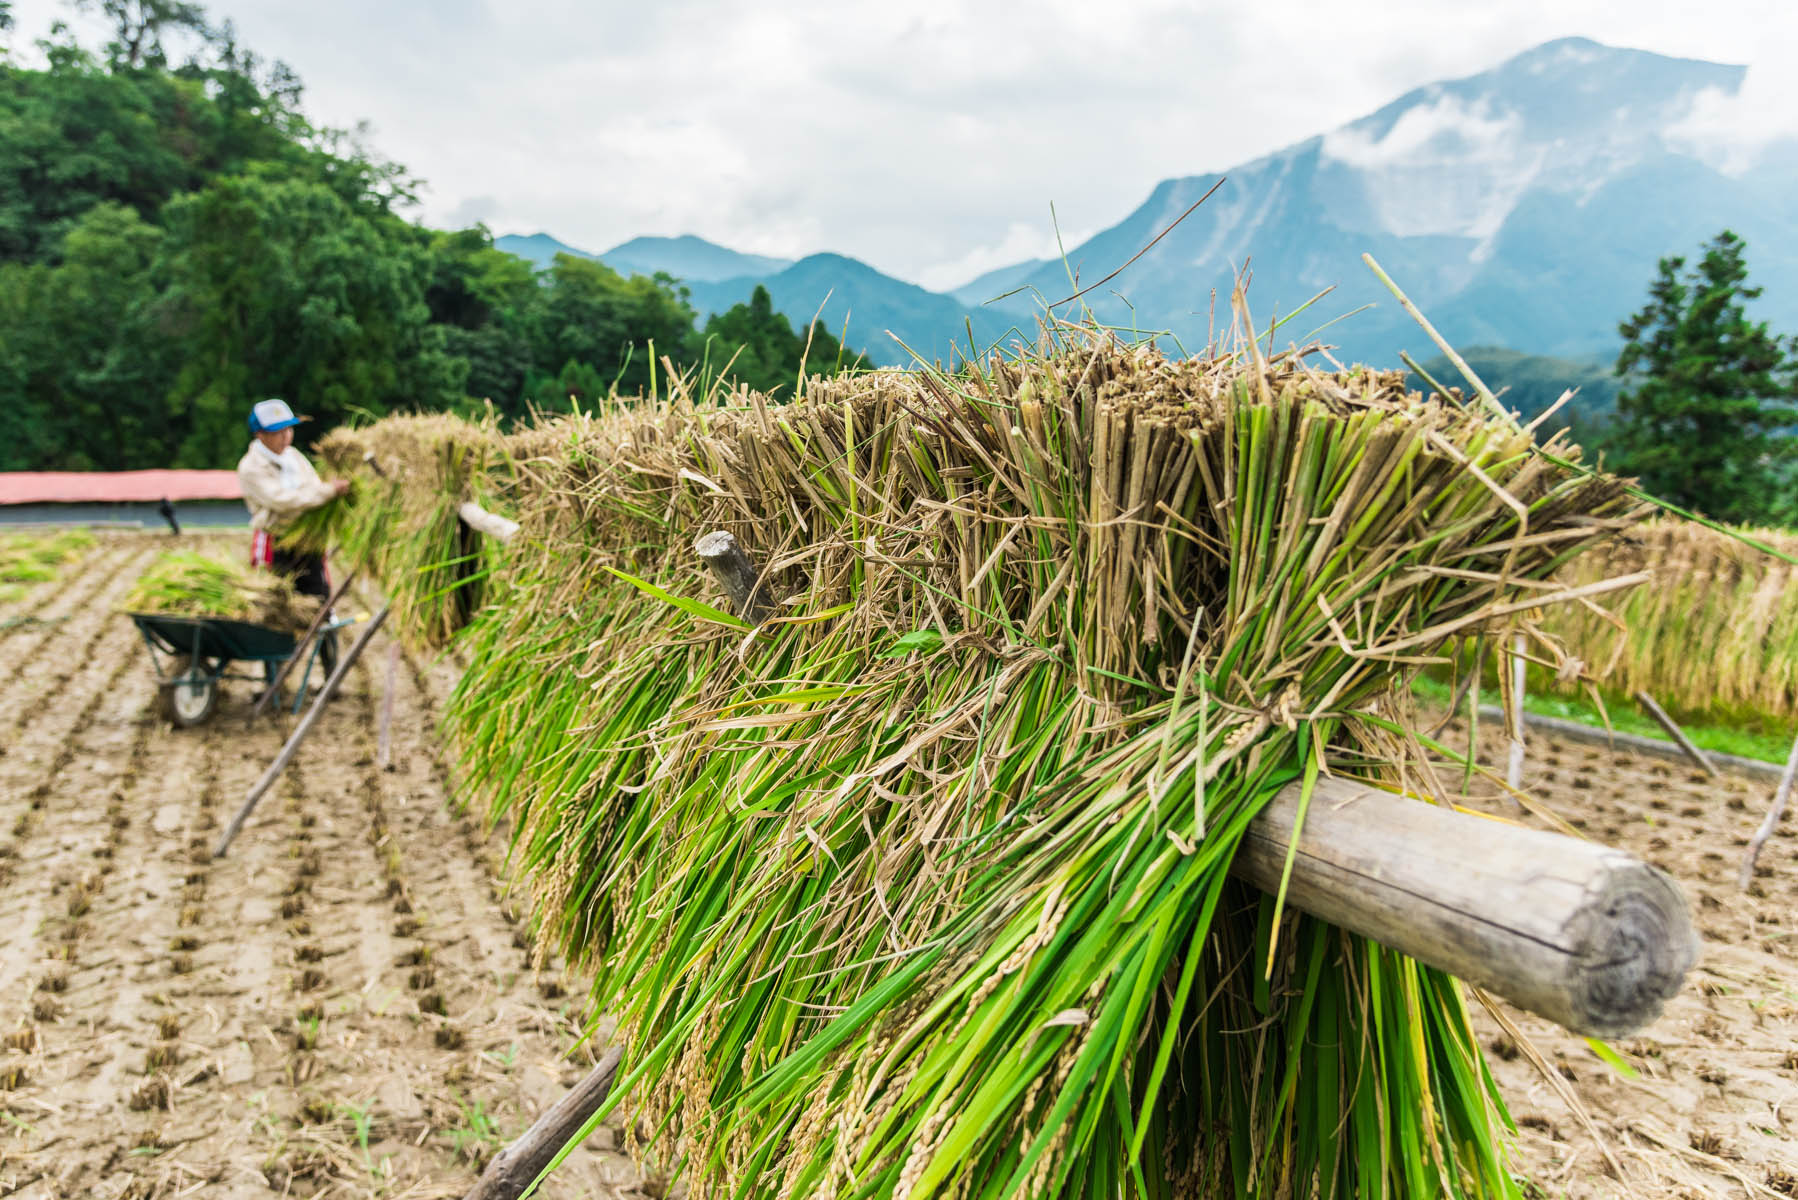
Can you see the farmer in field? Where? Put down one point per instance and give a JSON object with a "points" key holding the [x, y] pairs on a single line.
{"points": [[278, 485]]}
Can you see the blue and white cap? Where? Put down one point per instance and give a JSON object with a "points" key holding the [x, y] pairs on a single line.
{"points": [[270, 415]]}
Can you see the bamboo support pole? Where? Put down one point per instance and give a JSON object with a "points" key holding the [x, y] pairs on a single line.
{"points": [[300, 731], [1780, 796], [1589, 937], [518, 1165], [491, 524], [1677, 734], [318, 622], [384, 751]]}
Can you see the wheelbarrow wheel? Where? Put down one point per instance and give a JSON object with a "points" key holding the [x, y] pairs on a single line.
{"points": [[192, 693]]}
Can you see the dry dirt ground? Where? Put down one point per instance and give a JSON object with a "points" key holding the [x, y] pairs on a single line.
{"points": [[1713, 1109], [346, 1004]]}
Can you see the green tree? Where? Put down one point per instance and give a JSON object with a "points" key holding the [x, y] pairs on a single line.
{"points": [[139, 25], [1707, 406], [754, 345], [490, 308], [618, 326], [577, 385], [76, 135], [81, 363], [284, 289]]}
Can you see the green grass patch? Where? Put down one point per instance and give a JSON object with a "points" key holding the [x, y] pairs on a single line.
{"points": [[1760, 740], [31, 558]]}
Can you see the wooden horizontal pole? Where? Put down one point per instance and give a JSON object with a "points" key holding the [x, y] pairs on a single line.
{"points": [[491, 524], [1590, 937]]}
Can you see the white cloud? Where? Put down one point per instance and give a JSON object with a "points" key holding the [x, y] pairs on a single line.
{"points": [[1730, 132], [912, 134], [1447, 129], [1020, 241]]}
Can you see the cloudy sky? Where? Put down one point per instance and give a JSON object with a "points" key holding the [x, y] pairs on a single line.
{"points": [[927, 137]]}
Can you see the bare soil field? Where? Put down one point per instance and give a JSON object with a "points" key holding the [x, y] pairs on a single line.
{"points": [[348, 1004], [1713, 1108]]}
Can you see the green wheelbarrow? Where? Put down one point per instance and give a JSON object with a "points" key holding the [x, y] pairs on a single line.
{"points": [[191, 655]]}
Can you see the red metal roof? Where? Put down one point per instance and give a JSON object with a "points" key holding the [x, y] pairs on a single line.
{"points": [[116, 487]]}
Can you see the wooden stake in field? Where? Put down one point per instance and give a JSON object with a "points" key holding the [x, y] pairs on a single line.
{"points": [[1761, 835], [299, 734], [1514, 770], [736, 573], [518, 1165], [1676, 733], [384, 753]]}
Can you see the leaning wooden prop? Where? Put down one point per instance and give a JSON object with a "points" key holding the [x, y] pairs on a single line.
{"points": [[985, 860]]}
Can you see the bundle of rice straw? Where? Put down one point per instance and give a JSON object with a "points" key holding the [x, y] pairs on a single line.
{"points": [[189, 583], [399, 519], [1715, 630], [921, 888], [33, 558]]}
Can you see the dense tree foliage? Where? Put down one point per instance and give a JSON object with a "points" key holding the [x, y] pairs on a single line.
{"points": [[177, 241], [1710, 398], [766, 353]]}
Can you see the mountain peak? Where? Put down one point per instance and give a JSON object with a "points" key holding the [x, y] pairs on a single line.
{"points": [[1565, 116], [1524, 205], [1569, 54], [688, 257]]}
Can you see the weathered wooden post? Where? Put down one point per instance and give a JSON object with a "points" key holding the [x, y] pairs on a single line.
{"points": [[1676, 733], [736, 573], [514, 1168], [384, 751], [1780, 796]]}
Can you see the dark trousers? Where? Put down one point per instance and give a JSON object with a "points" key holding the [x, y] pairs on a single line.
{"points": [[310, 578]]}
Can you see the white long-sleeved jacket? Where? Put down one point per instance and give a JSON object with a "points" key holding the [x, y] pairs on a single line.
{"points": [[278, 487]]}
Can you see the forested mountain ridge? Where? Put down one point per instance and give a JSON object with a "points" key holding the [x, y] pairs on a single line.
{"points": [[688, 258], [178, 240]]}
